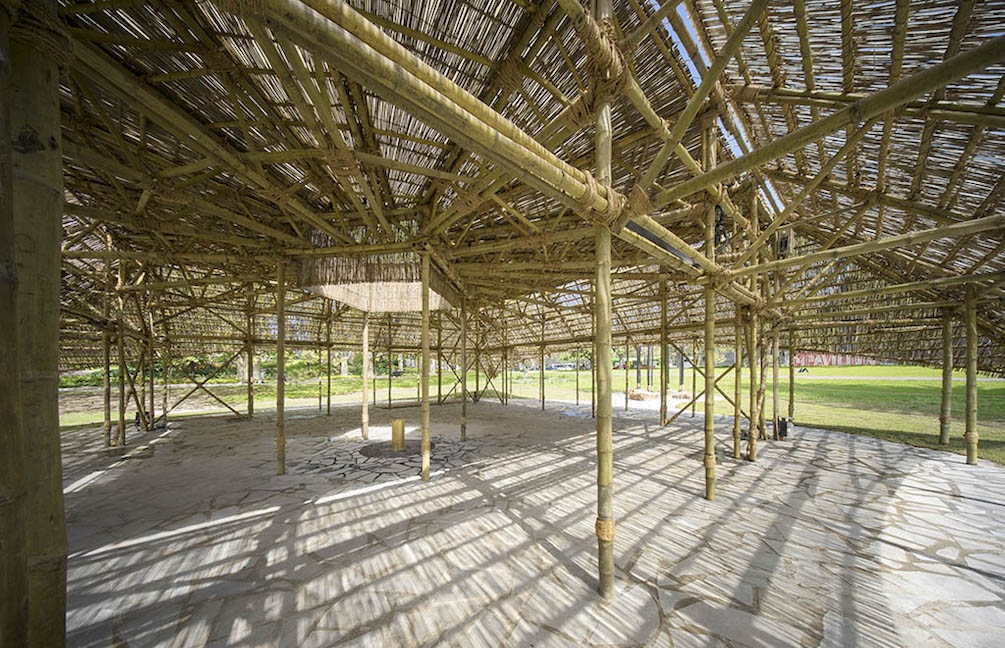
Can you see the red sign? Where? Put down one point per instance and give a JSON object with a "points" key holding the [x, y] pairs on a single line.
{"points": [[831, 360]]}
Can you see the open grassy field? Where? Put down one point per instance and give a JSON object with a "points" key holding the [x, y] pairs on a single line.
{"points": [[894, 403]]}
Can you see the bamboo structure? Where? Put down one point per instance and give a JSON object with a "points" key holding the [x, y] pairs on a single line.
{"points": [[970, 434], [945, 409], [543, 176], [425, 367], [281, 369]]}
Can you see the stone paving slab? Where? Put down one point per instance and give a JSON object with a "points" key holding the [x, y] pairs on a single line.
{"points": [[829, 539]]}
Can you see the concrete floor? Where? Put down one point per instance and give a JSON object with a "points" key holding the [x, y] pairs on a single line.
{"points": [[828, 539]]}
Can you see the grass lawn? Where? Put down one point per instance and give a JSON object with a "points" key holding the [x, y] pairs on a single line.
{"points": [[876, 401]]}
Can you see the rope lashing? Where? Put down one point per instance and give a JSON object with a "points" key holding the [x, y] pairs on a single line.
{"points": [[605, 529], [510, 75], [709, 461]]}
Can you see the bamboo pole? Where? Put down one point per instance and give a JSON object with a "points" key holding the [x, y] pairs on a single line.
{"points": [[281, 368], [120, 347], [775, 407], [425, 367], [664, 353], [792, 377], [37, 209], [439, 357], [947, 376], [250, 323], [593, 353], [328, 347], [166, 377], [106, 309], [737, 382], [365, 424], [694, 372], [750, 331], [389, 361], [541, 364], [14, 583], [628, 361], [604, 526], [970, 435], [464, 369]]}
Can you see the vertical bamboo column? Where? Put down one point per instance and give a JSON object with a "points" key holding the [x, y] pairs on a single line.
{"points": [[280, 368], [37, 196], [577, 376], [752, 354], [541, 360], [13, 492], [120, 347], [464, 369], [328, 357], [947, 376], [593, 354], [604, 526], [250, 325], [710, 341], [166, 374], [970, 435], [738, 380], [628, 361], [365, 425], [792, 377], [694, 375], [664, 353], [389, 360], [106, 311], [425, 367], [775, 406], [151, 352], [439, 357], [505, 362], [320, 368], [478, 362]]}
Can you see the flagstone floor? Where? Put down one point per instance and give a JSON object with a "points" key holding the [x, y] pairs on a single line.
{"points": [[191, 539]]}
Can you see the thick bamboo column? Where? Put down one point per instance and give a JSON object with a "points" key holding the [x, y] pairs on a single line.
{"points": [[970, 436], [577, 376], [365, 425], [439, 358], [752, 358], [250, 324], [664, 353], [792, 377], [775, 406], [166, 376], [694, 374], [604, 526], [464, 370], [737, 381], [541, 365], [37, 191], [593, 354], [120, 349], [328, 347], [628, 361], [709, 458], [320, 386], [281, 368], [106, 311], [13, 494], [389, 361], [425, 367], [638, 367], [947, 376]]}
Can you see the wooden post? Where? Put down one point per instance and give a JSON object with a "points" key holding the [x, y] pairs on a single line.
{"points": [[464, 369], [425, 367], [664, 353], [328, 347], [947, 376], [541, 364], [775, 407], [709, 342], [250, 323], [628, 361], [365, 426], [280, 368], [604, 526], [737, 380], [14, 589], [37, 197], [970, 435], [752, 358], [792, 377]]}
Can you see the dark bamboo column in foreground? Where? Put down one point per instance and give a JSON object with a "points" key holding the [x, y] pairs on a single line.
{"points": [[947, 376], [750, 331], [37, 190], [120, 349], [737, 380], [365, 426], [281, 368], [709, 343], [970, 435], [775, 407], [106, 311], [664, 353], [250, 324], [792, 377], [605, 441], [541, 367], [425, 367], [328, 356], [464, 370], [13, 495]]}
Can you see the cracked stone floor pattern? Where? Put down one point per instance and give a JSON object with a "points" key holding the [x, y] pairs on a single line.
{"points": [[829, 539]]}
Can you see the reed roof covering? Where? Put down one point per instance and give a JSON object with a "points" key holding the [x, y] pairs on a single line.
{"points": [[207, 142]]}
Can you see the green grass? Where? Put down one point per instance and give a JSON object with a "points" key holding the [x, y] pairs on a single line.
{"points": [[905, 411]]}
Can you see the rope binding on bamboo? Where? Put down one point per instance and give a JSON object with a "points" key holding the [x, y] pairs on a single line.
{"points": [[33, 23], [605, 529]]}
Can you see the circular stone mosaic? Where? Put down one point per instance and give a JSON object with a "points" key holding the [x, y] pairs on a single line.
{"points": [[369, 462], [383, 449]]}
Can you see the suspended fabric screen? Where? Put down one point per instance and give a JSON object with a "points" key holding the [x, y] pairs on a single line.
{"points": [[390, 283]]}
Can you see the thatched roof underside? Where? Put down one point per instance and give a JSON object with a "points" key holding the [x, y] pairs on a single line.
{"points": [[202, 147]]}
